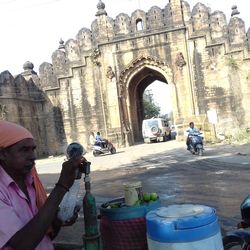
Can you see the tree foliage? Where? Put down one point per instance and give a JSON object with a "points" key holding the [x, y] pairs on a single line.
{"points": [[150, 108]]}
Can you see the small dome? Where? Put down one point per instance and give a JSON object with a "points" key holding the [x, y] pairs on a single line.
{"points": [[101, 8], [100, 5], [235, 11], [28, 65], [61, 46]]}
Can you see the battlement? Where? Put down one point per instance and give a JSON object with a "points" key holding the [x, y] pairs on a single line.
{"points": [[200, 22]]}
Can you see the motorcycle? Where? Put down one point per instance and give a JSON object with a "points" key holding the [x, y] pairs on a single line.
{"points": [[196, 143], [240, 239], [103, 147]]}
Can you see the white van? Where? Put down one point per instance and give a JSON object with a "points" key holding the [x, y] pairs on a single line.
{"points": [[155, 129]]}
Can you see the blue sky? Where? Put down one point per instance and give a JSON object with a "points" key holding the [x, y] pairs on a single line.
{"points": [[31, 29]]}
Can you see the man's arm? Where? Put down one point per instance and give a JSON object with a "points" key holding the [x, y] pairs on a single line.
{"points": [[32, 233]]}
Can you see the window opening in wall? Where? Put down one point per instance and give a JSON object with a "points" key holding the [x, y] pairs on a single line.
{"points": [[139, 24], [117, 46]]}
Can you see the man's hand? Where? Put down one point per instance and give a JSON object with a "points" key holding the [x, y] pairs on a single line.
{"points": [[69, 169], [73, 219], [57, 223]]}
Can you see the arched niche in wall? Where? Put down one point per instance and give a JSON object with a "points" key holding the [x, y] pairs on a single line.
{"points": [[218, 26], [47, 77], [84, 39], [138, 21], [59, 62], [236, 30], [200, 17], [122, 24], [72, 50], [155, 18]]}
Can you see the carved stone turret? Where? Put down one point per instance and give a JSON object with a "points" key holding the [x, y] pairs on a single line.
{"points": [[28, 69], [101, 8], [235, 11], [61, 46]]}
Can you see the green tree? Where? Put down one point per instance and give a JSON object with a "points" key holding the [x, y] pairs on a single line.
{"points": [[150, 108]]}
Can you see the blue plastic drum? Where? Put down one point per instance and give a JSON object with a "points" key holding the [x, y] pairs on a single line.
{"points": [[183, 227]]}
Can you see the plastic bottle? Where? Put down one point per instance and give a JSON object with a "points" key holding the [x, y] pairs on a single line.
{"points": [[69, 202], [70, 199]]}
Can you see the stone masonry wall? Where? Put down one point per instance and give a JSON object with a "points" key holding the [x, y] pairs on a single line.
{"points": [[202, 50]]}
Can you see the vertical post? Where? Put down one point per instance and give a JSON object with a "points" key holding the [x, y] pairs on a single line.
{"points": [[214, 130], [92, 237]]}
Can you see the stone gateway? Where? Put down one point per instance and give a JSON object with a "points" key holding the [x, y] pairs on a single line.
{"points": [[96, 81]]}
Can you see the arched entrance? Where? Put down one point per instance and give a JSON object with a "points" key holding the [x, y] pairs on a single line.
{"points": [[133, 82]]}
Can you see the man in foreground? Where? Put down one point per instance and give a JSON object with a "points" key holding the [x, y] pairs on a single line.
{"points": [[28, 219]]}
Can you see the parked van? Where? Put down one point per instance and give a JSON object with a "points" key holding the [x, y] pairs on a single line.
{"points": [[155, 129]]}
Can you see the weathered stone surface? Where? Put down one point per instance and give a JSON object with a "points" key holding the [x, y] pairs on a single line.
{"points": [[96, 81]]}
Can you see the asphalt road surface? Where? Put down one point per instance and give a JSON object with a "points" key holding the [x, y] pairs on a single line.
{"points": [[169, 170]]}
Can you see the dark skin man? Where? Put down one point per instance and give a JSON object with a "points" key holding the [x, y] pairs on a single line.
{"points": [[17, 160]]}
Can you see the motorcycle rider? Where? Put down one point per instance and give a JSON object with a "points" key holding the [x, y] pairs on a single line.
{"points": [[190, 130], [99, 140]]}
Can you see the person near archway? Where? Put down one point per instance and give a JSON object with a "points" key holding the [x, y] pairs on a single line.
{"points": [[100, 140], [28, 218], [190, 130]]}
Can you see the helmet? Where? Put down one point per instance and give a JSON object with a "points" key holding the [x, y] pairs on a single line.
{"points": [[75, 149]]}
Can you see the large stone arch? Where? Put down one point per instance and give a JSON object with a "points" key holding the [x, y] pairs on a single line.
{"points": [[99, 82], [133, 80]]}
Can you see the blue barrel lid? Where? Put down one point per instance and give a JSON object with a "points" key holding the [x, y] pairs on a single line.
{"points": [[182, 223]]}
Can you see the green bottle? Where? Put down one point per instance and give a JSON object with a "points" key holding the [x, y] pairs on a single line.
{"points": [[92, 239]]}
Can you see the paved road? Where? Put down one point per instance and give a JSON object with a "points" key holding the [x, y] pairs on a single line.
{"points": [[219, 179]]}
